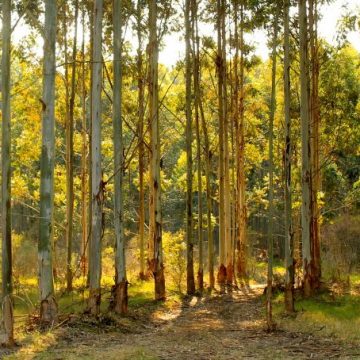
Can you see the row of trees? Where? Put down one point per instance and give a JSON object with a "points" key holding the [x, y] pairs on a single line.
{"points": [[218, 130]]}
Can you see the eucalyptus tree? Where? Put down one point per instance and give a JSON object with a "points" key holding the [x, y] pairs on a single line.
{"points": [[156, 264], [314, 143], [196, 75], [226, 159], [7, 306], [97, 185], [289, 236], [120, 290], [190, 282], [239, 114], [305, 150], [48, 305], [221, 97], [70, 107], [84, 154], [141, 147], [271, 176]]}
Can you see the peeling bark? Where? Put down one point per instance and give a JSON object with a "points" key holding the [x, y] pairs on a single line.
{"points": [[48, 311], [156, 265]]}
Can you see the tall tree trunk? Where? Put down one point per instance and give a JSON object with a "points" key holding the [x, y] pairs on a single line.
{"points": [[70, 158], [141, 101], [210, 237], [196, 65], [289, 236], [306, 155], [271, 182], [96, 175], [84, 159], [90, 155], [156, 256], [120, 296], [227, 187], [190, 282], [221, 278], [48, 306], [69, 181], [241, 205], [7, 307], [315, 151]]}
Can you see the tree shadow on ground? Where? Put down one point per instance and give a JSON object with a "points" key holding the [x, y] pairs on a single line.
{"points": [[210, 326]]}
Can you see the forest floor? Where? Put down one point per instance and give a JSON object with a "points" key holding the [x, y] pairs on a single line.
{"points": [[230, 326]]}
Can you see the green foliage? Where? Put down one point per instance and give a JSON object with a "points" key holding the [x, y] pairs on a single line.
{"points": [[174, 247]]}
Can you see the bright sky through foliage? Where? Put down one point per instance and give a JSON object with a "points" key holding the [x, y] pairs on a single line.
{"points": [[174, 46]]}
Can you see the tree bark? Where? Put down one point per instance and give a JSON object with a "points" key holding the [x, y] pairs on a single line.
{"points": [[7, 306], [227, 188], [240, 145], [84, 159], [289, 236], [96, 174], [315, 151], [190, 282], [156, 255], [120, 290], [196, 65], [70, 157], [221, 277], [269, 319], [48, 306], [210, 237], [141, 101], [306, 154]]}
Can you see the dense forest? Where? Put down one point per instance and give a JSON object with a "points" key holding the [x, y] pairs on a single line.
{"points": [[133, 189]]}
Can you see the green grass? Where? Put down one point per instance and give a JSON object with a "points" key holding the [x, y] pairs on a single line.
{"points": [[324, 314]]}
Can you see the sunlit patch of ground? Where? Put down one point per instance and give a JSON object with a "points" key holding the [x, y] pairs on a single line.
{"points": [[214, 326]]}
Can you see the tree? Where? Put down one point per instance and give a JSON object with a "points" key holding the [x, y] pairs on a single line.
{"points": [[155, 250], [189, 162], [289, 236], [269, 319], [97, 189], [7, 307], [48, 306], [84, 157], [240, 140], [227, 203], [120, 290], [221, 113], [196, 72], [305, 149], [70, 147], [141, 113], [209, 207], [315, 139]]}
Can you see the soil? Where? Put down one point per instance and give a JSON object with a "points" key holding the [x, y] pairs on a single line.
{"points": [[228, 327]]}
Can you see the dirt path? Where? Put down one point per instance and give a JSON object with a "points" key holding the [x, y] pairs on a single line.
{"points": [[228, 327]]}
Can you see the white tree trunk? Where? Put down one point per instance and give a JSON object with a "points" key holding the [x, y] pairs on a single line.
{"points": [[48, 306], [120, 291], [156, 256], [96, 175]]}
